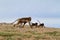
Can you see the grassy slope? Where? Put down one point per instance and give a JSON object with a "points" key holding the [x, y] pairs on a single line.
{"points": [[8, 32]]}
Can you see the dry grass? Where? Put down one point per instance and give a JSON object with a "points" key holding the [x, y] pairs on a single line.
{"points": [[8, 32]]}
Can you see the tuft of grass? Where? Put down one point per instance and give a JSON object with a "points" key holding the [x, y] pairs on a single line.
{"points": [[10, 34], [34, 33], [52, 33], [6, 34], [37, 37], [27, 36], [19, 38], [9, 38]]}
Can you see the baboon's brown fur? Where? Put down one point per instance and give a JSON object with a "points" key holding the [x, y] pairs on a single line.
{"points": [[23, 20]]}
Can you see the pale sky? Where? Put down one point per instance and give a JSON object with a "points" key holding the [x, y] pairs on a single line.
{"points": [[34, 8], [11, 9]]}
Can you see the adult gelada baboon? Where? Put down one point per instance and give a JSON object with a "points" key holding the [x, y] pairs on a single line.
{"points": [[23, 21]]}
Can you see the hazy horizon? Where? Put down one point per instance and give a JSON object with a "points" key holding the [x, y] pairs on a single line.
{"points": [[49, 22]]}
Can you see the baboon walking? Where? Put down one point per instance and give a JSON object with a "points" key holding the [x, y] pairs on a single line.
{"points": [[23, 21]]}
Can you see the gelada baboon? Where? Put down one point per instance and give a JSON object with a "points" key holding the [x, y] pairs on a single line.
{"points": [[34, 24], [40, 24], [23, 21]]}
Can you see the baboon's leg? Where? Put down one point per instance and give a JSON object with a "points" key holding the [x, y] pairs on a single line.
{"points": [[30, 25], [43, 26], [20, 24], [16, 24], [36, 26], [23, 24]]}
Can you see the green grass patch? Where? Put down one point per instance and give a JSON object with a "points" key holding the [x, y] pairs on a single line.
{"points": [[38, 37], [55, 33], [27, 36], [6, 34], [33, 32], [10, 34], [9, 38]]}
